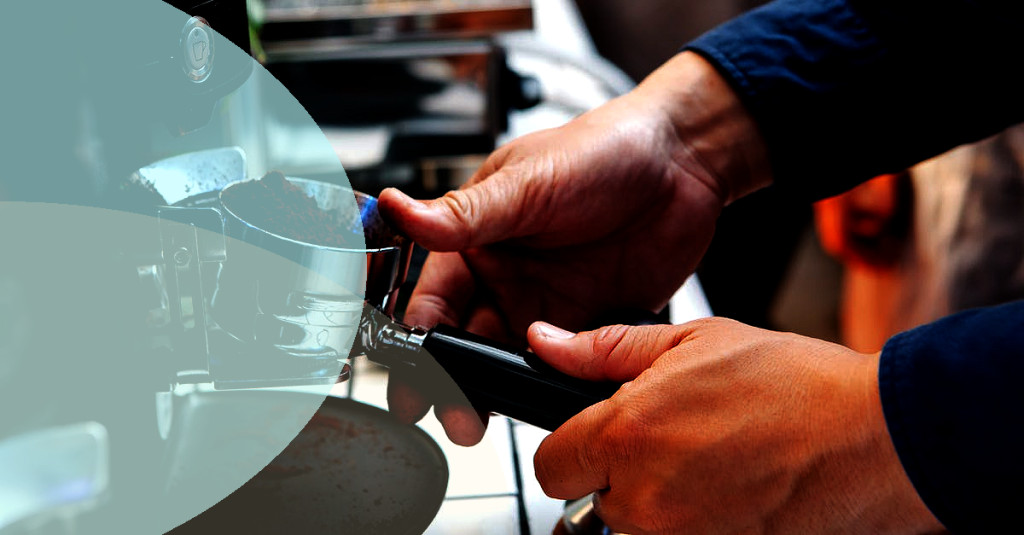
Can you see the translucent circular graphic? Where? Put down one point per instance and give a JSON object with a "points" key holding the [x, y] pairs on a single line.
{"points": [[184, 277]]}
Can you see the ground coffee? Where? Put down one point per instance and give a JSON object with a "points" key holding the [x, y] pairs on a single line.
{"points": [[275, 205]]}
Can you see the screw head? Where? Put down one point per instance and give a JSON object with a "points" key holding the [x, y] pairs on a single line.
{"points": [[182, 257]]}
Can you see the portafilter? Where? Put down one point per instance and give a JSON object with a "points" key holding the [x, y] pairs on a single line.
{"points": [[283, 311], [492, 376]]}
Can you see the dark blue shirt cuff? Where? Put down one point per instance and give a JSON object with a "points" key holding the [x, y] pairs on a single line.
{"points": [[953, 402]]}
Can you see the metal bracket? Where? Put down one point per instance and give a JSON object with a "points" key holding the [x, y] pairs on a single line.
{"points": [[193, 246]]}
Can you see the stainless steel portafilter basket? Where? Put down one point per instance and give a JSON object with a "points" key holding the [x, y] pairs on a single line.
{"points": [[285, 312], [311, 305], [236, 305], [334, 270], [309, 308]]}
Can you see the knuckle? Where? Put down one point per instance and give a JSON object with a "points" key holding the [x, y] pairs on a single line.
{"points": [[547, 477], [428, 310], [623, 430], [493, 163], [622, 515], [651, 512], [552, 489], [711, 323], [460, 203], [612, 513], [607, 340], [714, 324], [463, 208], [541, 469]]}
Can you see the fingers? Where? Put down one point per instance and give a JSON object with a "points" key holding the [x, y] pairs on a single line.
{"points": [[487, 212], [571, 462], [615, 353], [463, 424], [442, 292], [442, 295], [578, 458], [411, 393], [406, 402]]}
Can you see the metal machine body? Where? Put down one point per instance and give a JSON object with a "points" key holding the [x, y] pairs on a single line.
{"points": [[98, 89], [422, 87]]}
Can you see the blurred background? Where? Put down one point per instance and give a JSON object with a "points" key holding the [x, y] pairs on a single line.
{"points": [[412, 94]]}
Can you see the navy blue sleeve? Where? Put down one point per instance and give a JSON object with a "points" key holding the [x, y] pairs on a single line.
{"points": [[954, 404], [845, 90]]}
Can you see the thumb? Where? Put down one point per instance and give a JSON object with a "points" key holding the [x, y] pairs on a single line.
{"points": [[487, 212], [614, 353]]}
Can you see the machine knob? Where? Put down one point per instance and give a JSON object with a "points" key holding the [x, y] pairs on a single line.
{"points": [[197, 48]]}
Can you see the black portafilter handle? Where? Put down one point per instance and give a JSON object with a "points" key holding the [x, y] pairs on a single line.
{"points": [[500, 378], [518, 384]]}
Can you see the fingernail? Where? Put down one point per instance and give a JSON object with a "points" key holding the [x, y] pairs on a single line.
{"points": [[550, 331]]}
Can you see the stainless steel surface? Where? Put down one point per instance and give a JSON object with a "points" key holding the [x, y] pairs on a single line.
{"points": [[580, 519], [197, 49], [53, 475], [383, 334], [328, 274], [422, 79], [241, 307], [321, 295], [180, 177], [411, 102], [352, 469], [338, 272], [338, 23]]}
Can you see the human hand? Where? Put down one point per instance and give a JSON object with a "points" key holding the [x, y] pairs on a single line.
{"points": [[611, 211], [725, 428]]}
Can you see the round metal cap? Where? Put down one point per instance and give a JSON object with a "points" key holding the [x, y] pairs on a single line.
{"points": [[197, 49]]}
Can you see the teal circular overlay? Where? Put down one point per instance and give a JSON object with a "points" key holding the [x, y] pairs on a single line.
{"points": [[159, 348]]}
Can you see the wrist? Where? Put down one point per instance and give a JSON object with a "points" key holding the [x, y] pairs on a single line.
{"points": [[712, 127], [908, 513]]}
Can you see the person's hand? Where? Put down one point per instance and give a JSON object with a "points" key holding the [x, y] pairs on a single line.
{"points": [[611, 211], [724, 428]]}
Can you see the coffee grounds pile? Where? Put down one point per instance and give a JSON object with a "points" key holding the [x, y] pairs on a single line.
{"points": [[275, 205]]}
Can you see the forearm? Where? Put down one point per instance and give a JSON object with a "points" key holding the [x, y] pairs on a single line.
{"points": [[709, 122]]}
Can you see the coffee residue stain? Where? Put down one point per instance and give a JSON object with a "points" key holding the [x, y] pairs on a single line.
{"points": [[278, 206]]}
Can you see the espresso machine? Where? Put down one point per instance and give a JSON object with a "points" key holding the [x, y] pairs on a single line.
{"points": [[94, 91], [420, 89], [150, 327]]}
